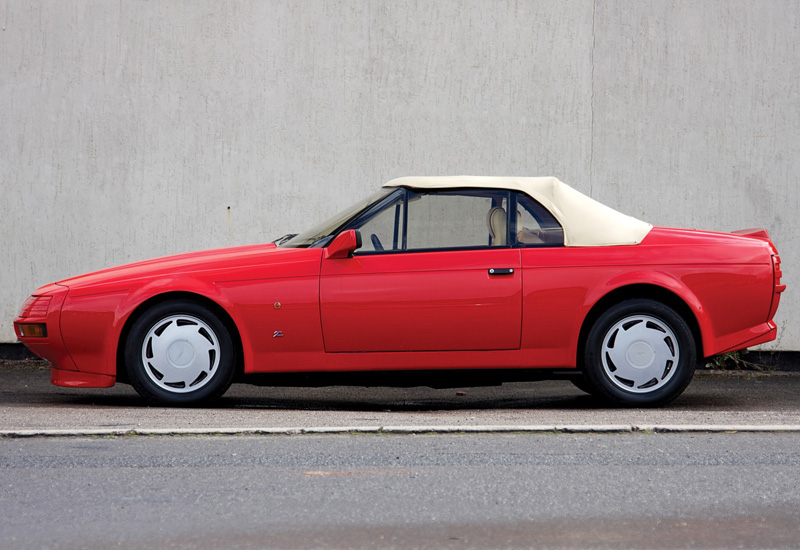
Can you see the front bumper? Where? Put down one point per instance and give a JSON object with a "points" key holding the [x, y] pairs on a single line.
{"points": [[74, 379]]}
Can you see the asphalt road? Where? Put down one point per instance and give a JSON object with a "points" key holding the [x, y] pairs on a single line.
{"points": [[415, 491], [467, 490], [28, 403]]}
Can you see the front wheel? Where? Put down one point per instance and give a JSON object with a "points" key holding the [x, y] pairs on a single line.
{"points": [[179, 353], [640, 353]]}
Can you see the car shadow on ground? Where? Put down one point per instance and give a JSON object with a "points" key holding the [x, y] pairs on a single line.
{"points": [[353, 399], [510, 402], [31, 387]]}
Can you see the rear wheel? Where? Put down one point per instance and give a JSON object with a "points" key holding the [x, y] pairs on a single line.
{"points": [[640, 353], [179, 353]]}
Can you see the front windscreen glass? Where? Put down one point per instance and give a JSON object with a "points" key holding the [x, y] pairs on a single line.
{"points": [[330, 226]]}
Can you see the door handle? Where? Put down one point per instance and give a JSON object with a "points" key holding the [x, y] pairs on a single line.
{"points": [[501, 270]]}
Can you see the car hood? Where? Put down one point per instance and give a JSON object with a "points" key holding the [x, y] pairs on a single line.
{"points": [[221, 260]]}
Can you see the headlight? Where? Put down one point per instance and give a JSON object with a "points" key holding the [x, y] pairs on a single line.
{"points": [[35, 306]]}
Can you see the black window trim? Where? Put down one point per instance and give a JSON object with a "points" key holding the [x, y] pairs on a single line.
{"points": [[368, 213]]}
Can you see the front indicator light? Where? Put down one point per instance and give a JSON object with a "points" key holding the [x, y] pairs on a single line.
{"points": [[33, 330]]}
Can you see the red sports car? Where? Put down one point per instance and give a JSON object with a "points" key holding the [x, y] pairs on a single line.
{"points": [[436, 281]]}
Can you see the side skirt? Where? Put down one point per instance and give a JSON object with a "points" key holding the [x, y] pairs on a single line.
{"points": [[438, 379]]}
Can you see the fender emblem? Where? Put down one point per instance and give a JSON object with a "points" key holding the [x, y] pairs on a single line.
{"points": [[277, 334]]}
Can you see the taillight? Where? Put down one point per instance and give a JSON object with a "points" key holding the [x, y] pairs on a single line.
{"points": [[778, 287], [36, 306], [776, 270]]}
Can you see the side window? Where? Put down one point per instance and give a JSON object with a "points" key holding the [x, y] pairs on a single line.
{"points": [[457, 219], [535, 225], [437, 220], [384, 230]]}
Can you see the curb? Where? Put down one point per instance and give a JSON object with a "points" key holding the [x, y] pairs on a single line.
{"points": [[399, 430]]}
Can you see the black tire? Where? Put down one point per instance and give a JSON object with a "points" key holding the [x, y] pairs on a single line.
{"points": [[640, 353], [582, 384], [180, 353]]}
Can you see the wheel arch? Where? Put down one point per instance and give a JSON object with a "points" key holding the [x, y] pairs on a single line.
{"points": [[646, 291], [218, 310]]}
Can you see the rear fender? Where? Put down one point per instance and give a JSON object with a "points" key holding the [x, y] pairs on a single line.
{"points": [[660, 279]]}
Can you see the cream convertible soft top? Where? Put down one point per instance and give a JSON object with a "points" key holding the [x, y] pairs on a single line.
{"points": [[585, 221]]}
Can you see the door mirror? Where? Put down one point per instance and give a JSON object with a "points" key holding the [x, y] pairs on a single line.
{"points": [[344, 244]]}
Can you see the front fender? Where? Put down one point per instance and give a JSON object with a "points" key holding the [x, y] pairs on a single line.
{"points": [[92, 323]]}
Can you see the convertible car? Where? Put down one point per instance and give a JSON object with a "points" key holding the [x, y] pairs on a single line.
{"points": [[435, 281]]}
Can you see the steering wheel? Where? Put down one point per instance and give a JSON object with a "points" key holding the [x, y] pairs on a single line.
{"points": [[376, 242]]}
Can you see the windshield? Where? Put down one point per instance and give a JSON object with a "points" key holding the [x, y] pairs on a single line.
{"points": [[330, 226]]}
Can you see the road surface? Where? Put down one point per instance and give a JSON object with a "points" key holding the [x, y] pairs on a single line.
{"points": [[415, 491]]}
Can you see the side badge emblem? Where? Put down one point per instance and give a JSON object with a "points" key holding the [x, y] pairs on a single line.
{"points": [[277, 334]]}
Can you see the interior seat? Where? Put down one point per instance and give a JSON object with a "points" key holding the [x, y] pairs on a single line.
{"points": [[496, 219]]}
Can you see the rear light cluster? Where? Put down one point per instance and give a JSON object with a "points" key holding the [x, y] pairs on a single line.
{"points": [[776, 269], [776, 296], [35, 306]]}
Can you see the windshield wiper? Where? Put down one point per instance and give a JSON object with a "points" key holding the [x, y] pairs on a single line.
{"points": [[280, 240]]}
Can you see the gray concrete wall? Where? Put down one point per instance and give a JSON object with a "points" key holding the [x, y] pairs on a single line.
{"points": [[137, 129]]}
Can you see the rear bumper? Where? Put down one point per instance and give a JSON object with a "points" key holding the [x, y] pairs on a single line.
{"points": [[768, 336]]}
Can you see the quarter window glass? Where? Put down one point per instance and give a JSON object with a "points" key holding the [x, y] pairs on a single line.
{"points": [[535, 225]]}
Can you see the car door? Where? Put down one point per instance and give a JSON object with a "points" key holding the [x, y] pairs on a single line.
{"points": [[435, 273]]}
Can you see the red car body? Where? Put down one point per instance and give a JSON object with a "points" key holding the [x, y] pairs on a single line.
{"points": [[296, 310]]}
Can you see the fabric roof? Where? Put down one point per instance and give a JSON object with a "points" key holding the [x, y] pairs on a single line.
{"points": [[585, 221]]}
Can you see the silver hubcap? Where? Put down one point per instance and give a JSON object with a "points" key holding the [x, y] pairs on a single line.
{"points": [[180, 353], [640, 354]]}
